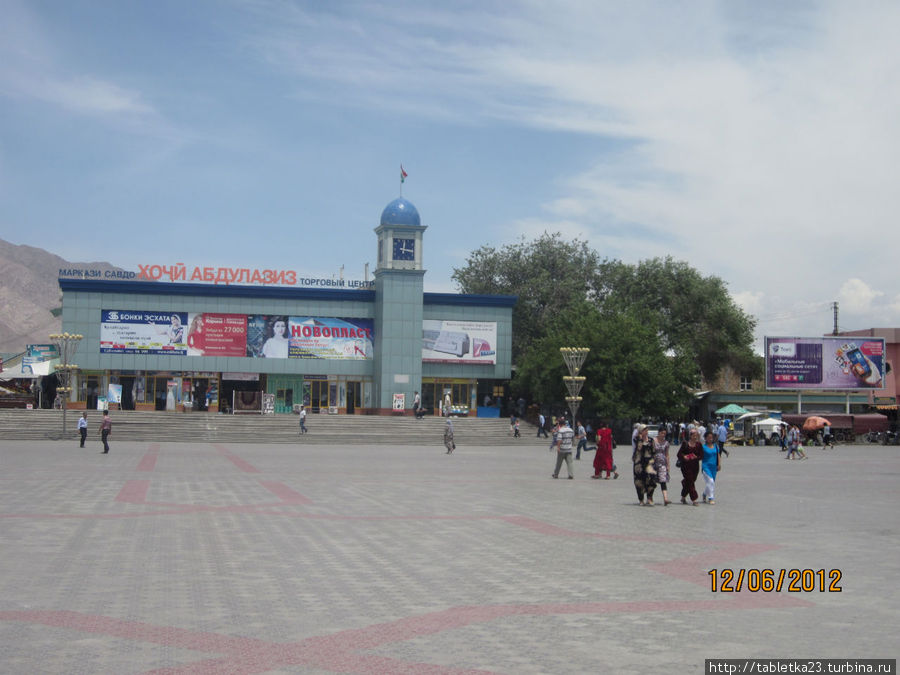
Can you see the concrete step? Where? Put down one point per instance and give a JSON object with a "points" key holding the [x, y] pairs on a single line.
{"points": [[21, 424]]}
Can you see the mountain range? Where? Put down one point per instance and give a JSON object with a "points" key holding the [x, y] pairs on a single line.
{"points": [[30, 299]]}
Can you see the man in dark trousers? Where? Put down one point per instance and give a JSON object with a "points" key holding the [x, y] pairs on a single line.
{"points": [[105, 428], [82, 427]]}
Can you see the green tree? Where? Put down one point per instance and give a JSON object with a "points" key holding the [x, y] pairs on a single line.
{"points": [[546, 274], [627, 371], [694, 314], [654, 328]]}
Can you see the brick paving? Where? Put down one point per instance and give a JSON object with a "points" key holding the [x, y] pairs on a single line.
{"points": [[226, 558]]}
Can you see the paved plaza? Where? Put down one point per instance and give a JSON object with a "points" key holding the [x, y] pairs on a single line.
{"points": [[213, 558]]}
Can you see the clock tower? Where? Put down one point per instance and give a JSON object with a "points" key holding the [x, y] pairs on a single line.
{"points": [[399, 281]]}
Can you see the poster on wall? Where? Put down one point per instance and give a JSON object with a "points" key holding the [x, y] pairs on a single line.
{"points": [[473, 342], [318, 338], [294, 337], [137, 332], [114, 393], [842, 362], [37, 354], [212, 334], [270, 336]]}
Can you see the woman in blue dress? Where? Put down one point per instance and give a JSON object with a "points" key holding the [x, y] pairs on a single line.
{"points": [[710, 467]]}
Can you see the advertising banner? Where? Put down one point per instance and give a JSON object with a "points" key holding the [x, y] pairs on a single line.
{"points": [[459, 342], [318, 338], [38, 354], [136, 332], [212, 334], [114, 393], [306, 337], [824, 363], [257, 336]]}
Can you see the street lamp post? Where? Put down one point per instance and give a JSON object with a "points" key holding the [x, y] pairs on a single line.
{"points": [[66, 344], [574, 358]]}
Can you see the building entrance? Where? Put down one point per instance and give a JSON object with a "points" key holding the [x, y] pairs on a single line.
{"points": [[354, 396]]}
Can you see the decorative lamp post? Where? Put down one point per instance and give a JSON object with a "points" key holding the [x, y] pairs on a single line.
{"points": [[574, 358], [66, 344]]}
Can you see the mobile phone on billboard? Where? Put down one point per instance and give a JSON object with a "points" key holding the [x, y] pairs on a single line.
{"points": [[860, 367]]}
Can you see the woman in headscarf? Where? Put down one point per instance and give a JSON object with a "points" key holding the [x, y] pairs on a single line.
{"points": [[448, 437], [710, 467], [603, 459], [644, 471], [689, 455], [661, 463]]}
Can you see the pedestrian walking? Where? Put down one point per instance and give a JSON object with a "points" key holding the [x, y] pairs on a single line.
{"points": [[722, 432], [642, 462], [582, 440], [303, 419], [603, 460], [564, 438], [542, 426], [710, 466], [689, 455], [448, 437], [105, 429], [827, 438], [516, 433], [794, 444], [661, 464], [82, 428]]}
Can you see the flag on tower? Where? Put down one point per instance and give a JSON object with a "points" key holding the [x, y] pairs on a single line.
{"points": [[403, 174]]}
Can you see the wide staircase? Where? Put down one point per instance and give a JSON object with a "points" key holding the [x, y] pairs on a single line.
{"points": [[18, 424]]}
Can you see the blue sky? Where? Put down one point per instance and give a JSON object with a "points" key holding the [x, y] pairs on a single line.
{"points": [[756, 140]]}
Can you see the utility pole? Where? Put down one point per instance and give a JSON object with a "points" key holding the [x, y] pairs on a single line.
{"points": [[834, 306]]}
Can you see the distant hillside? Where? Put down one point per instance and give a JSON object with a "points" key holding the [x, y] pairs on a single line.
{"points": [[30, 298]]}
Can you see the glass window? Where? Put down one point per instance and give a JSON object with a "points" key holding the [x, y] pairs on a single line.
{"points": [[746, 383]]}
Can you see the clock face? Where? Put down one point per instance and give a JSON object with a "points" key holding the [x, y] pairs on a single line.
{"points": [[404, 249]]}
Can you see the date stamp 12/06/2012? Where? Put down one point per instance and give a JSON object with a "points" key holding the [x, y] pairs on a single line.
{"points": [[774, 581]]}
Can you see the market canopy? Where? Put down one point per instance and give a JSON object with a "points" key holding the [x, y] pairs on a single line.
{"points": [[770, 422], [731, 409]]}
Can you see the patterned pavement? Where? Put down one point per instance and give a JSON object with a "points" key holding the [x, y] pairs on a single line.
{"points": [[211, 558]]}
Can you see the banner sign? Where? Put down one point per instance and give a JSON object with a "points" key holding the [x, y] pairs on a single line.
{"points": [[130, 332], [317, 338], [212, 334], [824, 363], [472, 342], [256, 336], [37, 354], [179, 272], [114, 393]]}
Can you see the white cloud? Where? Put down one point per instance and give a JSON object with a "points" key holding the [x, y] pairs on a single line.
{"points": [[751, 302], [857, 296]]}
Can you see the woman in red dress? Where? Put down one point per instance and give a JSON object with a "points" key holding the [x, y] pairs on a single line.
{"points": [[603, 459]]}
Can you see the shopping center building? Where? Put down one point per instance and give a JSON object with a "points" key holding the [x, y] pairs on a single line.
{"points": [[340, 347]]}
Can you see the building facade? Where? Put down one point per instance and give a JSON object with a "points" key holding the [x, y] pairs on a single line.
{"points": [[157, 345]]}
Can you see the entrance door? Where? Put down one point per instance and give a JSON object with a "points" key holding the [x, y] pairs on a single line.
{"points": [[354, 391], [428, 398], [160, 391], [127, 392], [93, 391], [319, 395]]}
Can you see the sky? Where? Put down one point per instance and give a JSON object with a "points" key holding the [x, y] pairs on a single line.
{"points": [[756, 140]]}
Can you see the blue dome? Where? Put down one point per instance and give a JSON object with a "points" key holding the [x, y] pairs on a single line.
{"points": [[400, 212]]}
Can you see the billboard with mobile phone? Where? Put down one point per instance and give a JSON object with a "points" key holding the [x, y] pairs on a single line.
{"points": [[840, 362]]}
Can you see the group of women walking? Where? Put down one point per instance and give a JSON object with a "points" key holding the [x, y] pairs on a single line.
{"points": [[650, 458]]}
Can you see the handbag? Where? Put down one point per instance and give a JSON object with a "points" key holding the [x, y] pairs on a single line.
{"points": [[678, 463]]}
